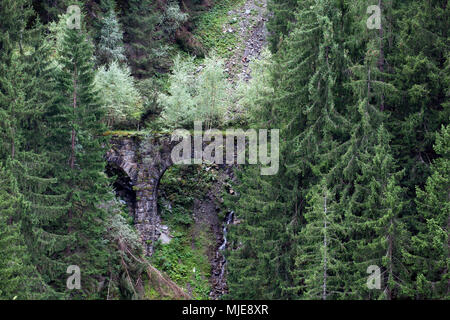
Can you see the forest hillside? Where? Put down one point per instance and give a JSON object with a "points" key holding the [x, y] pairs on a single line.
{"points": [[340, 189]]}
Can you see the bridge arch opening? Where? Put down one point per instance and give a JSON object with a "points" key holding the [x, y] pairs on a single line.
{"points": [[123, 187], [189, 207]]}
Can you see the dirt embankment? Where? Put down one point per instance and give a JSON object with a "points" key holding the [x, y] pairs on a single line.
{"points": [[252, 31]]}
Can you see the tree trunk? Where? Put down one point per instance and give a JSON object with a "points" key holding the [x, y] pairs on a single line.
{"points": [[13, 145], [72, 157], [390, 261], [381, 58]]}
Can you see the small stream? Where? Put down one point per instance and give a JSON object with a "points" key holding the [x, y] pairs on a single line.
{"points": [[228, 220], [219, 281]]}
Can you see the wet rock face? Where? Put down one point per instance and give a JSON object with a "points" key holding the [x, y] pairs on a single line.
{"points": [[143, 161], [219, 285]]}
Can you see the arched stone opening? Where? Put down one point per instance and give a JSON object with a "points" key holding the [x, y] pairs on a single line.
{"points": [[123, 187]]}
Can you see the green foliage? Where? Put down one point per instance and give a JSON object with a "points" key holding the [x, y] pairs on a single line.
{"points": [[282, 21], [430, 257], [119, 97], [378, 235], [201, 95], [252, 96], [212, 93], [178, 105], [421, 54], [185, 258], [260, 259], [19, 278], [49, 10], [74, 145], [320, 263], [148, 29], [209, 28], [352, 104], [110, 47], [364, 174], [26, 94], [185, 266]]}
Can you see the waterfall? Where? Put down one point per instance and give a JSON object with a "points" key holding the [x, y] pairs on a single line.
{"points": [[228, 220]]}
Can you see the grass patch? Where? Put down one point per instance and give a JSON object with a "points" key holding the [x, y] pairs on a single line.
{"points": [[209, 28], [185, 258], [185, 266]]}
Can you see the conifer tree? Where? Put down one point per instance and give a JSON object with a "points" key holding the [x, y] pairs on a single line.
{"points": [[281, 22], [25, 93], [321, 268], [14, 15], [313, 64], [110, 46], [421, 58], [148, 26], [49, 10], [307, 111], [261, 260], [429, 254], [76, 146], [373, 210], [19, 278], [364, 179]]}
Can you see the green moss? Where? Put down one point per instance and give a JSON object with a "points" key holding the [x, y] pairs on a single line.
{"points": [[122, 133]]}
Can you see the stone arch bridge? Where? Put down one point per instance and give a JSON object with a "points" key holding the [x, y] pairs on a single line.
{"points": [[143, 161]]}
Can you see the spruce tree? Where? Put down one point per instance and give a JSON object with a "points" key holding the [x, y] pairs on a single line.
{"points": [[19, 278], [149, 29], [374, 210], [429, 256], [261, 258], [281, 22], [140, 20], [76, 146], [306, 109], [321, 268], [420, 59]]}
